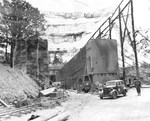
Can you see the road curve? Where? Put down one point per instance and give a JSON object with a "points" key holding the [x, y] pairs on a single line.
{"points": [[128, 108]]}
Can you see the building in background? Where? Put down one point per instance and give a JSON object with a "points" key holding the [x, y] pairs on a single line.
{"points": [[55, 62], [95, 63]]}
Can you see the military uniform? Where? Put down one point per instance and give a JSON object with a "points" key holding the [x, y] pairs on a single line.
{"points": [[138, 87]]}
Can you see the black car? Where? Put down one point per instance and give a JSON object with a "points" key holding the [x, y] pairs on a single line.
{"points": [[113, 89]]}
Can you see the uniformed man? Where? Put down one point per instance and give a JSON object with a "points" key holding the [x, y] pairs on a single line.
{"points": [[138, 86]]}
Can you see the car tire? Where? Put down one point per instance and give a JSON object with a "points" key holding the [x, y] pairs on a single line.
{"points": [[101, 97], [124, 93], [114, 95]]}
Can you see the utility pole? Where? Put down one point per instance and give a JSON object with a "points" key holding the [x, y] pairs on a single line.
{"points": [[110, 28], [134, 41], [121, 42]]}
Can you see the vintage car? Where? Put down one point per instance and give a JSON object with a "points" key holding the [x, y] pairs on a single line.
{"points": [[113, 89]]}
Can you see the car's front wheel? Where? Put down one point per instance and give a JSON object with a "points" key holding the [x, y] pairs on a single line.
{"points": [[101, 96], [124, 93], [114, 95]]}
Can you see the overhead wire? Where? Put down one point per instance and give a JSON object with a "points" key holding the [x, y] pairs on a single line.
{"points": [[82, 3], [111, 17], [131, 58], [128, 56], [85, 4], [125, 62]]}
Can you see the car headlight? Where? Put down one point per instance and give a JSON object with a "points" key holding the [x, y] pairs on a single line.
{"points": [[101, 91]]}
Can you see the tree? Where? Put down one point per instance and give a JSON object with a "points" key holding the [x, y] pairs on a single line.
{"points": [[145, 65], [21, 21], [4, 32], [143, 42]]}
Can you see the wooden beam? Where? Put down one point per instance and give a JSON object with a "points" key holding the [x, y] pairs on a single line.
{"points": [[121, 42], [134, 41]]}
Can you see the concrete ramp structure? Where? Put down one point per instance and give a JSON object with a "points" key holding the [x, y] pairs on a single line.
{"points": [[71, 73], [95, 63], [102, 60]]}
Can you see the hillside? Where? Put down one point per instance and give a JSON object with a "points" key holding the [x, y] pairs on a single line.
{"points": [[14, 84], [144, 73]]}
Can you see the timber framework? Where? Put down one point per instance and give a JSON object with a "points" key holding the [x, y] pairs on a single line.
{"points": [[124, 13], [91, 65]]}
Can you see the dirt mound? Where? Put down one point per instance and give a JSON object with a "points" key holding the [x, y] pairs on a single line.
{"points": [[15, 84]]}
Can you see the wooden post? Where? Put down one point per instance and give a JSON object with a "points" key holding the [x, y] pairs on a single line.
{"points": [[110, 27], [99, 33], [121, 42], [134, 41]]}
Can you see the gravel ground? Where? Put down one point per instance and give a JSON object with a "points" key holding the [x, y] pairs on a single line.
{"points": [[129, 108], [88, 107]]}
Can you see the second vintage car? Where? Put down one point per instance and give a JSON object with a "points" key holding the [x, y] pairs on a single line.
{"points": [[113, 89]]}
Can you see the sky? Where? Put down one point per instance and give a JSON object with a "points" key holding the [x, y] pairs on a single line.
{"points": [[71, 5], [141, 7]]}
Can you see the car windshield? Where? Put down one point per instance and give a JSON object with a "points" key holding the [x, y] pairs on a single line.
{"points": [[110, 83]]}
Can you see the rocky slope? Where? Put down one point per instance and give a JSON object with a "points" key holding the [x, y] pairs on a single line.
{"points": [[14, 84]]}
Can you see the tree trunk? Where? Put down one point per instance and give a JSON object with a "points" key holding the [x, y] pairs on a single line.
{"points": [[37, 58], [122, 46], [6, 53], [26, 47], [14, 52], [134, 41], [11, 53]]}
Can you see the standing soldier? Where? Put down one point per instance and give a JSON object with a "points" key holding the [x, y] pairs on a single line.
{"points": [[138, 87]]}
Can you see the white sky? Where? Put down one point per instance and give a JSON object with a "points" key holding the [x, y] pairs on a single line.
{"points": [[71, 5], [141, 7]]}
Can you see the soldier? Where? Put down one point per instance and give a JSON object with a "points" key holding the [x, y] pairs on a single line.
{"points": [[138, 86]]}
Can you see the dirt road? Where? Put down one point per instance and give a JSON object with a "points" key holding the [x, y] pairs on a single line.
{"points": [[89, 107]]}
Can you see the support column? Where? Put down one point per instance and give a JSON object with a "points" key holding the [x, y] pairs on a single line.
{"points": [[121, 42], [134, 41]]}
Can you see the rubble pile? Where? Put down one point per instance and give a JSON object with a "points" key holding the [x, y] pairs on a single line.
{"points": [[52, 97], [16, 85], [24, 96], [48, 103]]}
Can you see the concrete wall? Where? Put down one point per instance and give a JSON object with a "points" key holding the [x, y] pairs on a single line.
{"points": [[26, 57], [20, 56], [43, 57], [73, 70], [100, 59], [102, 56], [32, 57]]}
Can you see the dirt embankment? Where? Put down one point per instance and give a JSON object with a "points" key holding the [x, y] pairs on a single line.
{"points": [[15, 84]]}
